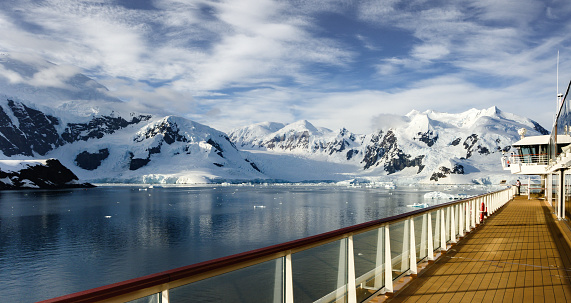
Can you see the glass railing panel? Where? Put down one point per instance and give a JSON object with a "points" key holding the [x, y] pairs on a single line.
{"points": [[154, 298], [399, 248], [420, 236], [436, 230], [369, 262], [320, 273], [257, 283]]}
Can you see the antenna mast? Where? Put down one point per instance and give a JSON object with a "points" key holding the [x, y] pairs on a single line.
{"points": [[559, 96]]}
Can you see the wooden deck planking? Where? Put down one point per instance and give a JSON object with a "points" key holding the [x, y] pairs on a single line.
{"points": [[517, 255]]}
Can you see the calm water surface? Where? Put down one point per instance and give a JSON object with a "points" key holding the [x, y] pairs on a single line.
{"points": [[54, 243]]}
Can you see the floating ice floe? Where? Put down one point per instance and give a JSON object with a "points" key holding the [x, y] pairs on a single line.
{"points": [[418, 205], [436, 195]]}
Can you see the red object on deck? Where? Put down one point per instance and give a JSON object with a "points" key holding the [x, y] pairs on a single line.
{"points": [[483, 212]]}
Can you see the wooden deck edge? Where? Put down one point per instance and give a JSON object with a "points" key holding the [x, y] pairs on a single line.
{"points": [[563, 226]]}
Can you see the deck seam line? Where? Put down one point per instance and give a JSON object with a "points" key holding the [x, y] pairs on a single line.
{"points": [[522, 264]]}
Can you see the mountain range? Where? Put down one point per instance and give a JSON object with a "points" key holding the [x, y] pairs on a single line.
{"points": [[100, 140]]}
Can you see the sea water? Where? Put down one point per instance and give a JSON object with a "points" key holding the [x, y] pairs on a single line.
{"points": [[54, 243]]}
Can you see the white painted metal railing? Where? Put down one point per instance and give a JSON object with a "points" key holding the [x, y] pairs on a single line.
{"points": [[539, 159], [352, 264]]}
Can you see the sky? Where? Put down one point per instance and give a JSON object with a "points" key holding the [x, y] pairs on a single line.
{"points": [[336, 63]]}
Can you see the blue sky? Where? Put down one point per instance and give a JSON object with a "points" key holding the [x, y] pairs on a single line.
{"points": [[335, 63]]}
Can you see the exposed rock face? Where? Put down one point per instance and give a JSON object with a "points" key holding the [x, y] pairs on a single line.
{"points": [[31, 132], [539, 128], [167, 129], [27, 131], [443, 171], [98, 127], [91, 161], [428, 137], [386, 152], [49, 175]]}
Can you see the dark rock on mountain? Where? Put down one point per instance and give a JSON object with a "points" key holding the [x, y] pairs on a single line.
{"points": [[428, 137], [98, 127], [33, 131], [254, 166], [469, 144], [443, 171], [39, 128], [136, 163], [456, 142], [217, 146], [351, 153], [402, 161], [167, 128], [52, 175], [297, 140], [91, 161], [539, 128], [373, 151], [387, 152]]}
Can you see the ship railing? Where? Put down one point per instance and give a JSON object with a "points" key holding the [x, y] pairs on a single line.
{"points": [[352, 264], [537, 159]]}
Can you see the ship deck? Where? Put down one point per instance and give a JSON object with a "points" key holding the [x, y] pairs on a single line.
{"points": [[519, 254]]}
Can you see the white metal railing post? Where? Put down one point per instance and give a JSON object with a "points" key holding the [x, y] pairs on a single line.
{"points": [[474, 208], [412, 250], [461, 219], [478, 210], [165, 296], [388, 262], [379, 259], [288, 279], [429, 240], [351, 285], [442, 230], [467, 216], [437, 228], [452, 225]]}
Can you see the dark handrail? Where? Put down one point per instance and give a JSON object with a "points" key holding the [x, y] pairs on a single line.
{"points": [[274, 251]]}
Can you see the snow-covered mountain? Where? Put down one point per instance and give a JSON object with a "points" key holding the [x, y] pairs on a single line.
{"points": [[111, 146], [118, 147], [428, 146], [100, 140]]}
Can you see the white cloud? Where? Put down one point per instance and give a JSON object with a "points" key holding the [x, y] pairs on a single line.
{"points": [[146, 98], [54, 76], [429, 52]]}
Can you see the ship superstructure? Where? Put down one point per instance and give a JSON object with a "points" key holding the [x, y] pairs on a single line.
{"points": [[548, 156]]}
